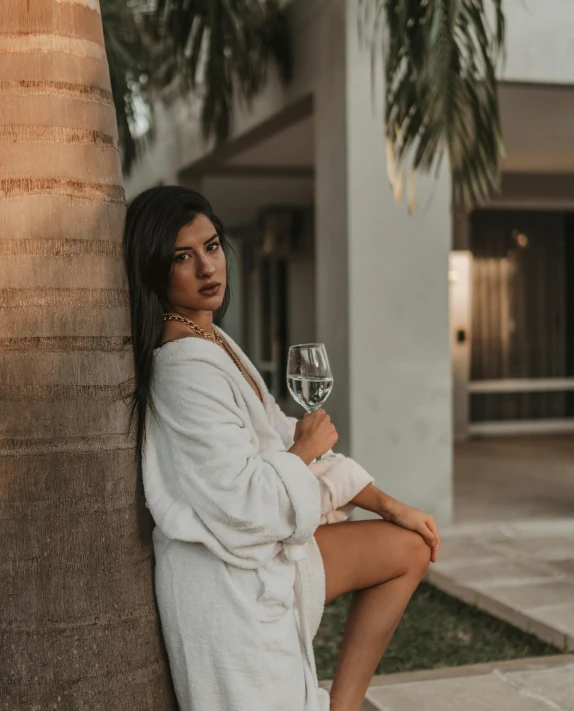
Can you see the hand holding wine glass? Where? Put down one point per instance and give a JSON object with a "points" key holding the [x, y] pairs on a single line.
{"points": [[310, 382], [314, 434]]}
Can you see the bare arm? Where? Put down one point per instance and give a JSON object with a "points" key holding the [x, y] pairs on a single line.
{"points": [[372, 499]]}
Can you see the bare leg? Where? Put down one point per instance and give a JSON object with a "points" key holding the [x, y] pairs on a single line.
{"points": [[373, 618], [384, 564]]}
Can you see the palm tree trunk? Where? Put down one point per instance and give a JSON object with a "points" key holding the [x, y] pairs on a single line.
{"points": [[78, 623]]}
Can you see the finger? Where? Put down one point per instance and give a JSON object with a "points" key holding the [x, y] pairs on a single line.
{"points": [[433, 527], [428, 535], [435, 549], [433, 544], [430, 522]]}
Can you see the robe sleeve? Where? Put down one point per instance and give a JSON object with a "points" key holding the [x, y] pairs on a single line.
{"points": [[340, 478], [246, 501]]}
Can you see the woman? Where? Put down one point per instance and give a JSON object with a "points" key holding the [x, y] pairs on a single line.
{"points": [[250, 539]]}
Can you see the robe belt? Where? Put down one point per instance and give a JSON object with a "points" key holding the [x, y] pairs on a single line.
{"points": [[278, 581], [294, 552]]}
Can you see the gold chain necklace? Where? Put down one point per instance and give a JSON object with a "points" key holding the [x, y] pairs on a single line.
{"points": [[170, 316]]}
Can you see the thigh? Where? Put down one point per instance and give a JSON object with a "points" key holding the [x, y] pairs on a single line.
{"points": [[360, 554]]}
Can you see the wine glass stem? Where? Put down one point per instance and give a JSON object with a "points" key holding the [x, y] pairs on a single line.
{"points": [[320, 457]]}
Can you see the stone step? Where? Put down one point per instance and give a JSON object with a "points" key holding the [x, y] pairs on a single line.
{"points": [[535, 684], [519, 572], [530, 684]]}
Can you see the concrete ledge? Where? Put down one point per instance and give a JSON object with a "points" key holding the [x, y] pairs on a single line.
{"points": [[527, 664], [524, 664], [483, 601], [508, 530], [535, 684]]}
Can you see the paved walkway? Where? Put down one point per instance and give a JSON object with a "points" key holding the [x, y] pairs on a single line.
{"points": [[514, 478], [520, 572], [535, 684], [510, 551], [541, 684]]}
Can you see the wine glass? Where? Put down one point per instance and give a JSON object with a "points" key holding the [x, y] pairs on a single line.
{"points": [[309, 378]]}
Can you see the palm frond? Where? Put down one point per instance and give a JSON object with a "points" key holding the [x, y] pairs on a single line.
{"points": [[217, 49], [222, 49], [441, 58], [130, 58]]}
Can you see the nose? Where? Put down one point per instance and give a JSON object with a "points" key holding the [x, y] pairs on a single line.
{"points": [[206, 267]]}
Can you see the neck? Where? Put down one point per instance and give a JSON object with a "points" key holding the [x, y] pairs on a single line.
{"points": [[204, 319]]}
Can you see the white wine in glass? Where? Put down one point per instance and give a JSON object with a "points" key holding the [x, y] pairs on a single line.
{"points": [[309, 377]]}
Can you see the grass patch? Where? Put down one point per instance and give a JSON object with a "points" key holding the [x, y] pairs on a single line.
{"points": [[436, 630]]}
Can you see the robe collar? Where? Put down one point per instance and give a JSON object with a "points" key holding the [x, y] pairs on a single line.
{"points": [[226, 361], [249, 367]]}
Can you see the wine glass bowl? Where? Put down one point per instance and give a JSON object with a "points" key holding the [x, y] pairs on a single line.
{"points": [[309, 376]]}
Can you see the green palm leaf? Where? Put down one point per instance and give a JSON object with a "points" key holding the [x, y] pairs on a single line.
{"points": [[440, 61], [223, 47], [217, 49], [130, 53]]}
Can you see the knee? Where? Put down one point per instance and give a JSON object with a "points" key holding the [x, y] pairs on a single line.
{"points": [[417, 554]]}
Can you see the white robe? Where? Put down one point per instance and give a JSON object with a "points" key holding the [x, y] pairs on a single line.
{"points": [[239, 577]]}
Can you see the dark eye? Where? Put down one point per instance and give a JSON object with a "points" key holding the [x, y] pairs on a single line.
{"points": [[184, 254], [214, 244]]}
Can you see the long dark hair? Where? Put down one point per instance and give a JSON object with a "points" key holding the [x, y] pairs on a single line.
{"points": [[153, 221]]}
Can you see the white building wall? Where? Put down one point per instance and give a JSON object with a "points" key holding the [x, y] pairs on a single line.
{"points": [[382, 288], [540, 38]]}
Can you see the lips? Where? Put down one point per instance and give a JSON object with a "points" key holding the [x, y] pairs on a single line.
{"points": [[210, 289]]}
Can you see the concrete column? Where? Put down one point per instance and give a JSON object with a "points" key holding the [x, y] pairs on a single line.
{"points": [[382, 284]]}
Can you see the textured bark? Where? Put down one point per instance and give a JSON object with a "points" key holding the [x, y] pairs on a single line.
{"points": [[78, 622]]}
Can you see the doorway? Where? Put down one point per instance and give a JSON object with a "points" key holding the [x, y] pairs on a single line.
{"points": [[521, 355]]}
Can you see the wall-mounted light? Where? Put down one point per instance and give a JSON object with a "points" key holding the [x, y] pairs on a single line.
{"points": [[520, 239]]}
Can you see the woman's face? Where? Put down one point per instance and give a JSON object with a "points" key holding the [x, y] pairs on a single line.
{"points": [[198, 260]]}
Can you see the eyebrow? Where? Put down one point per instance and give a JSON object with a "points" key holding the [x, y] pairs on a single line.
{"points": [[207, 241]]}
